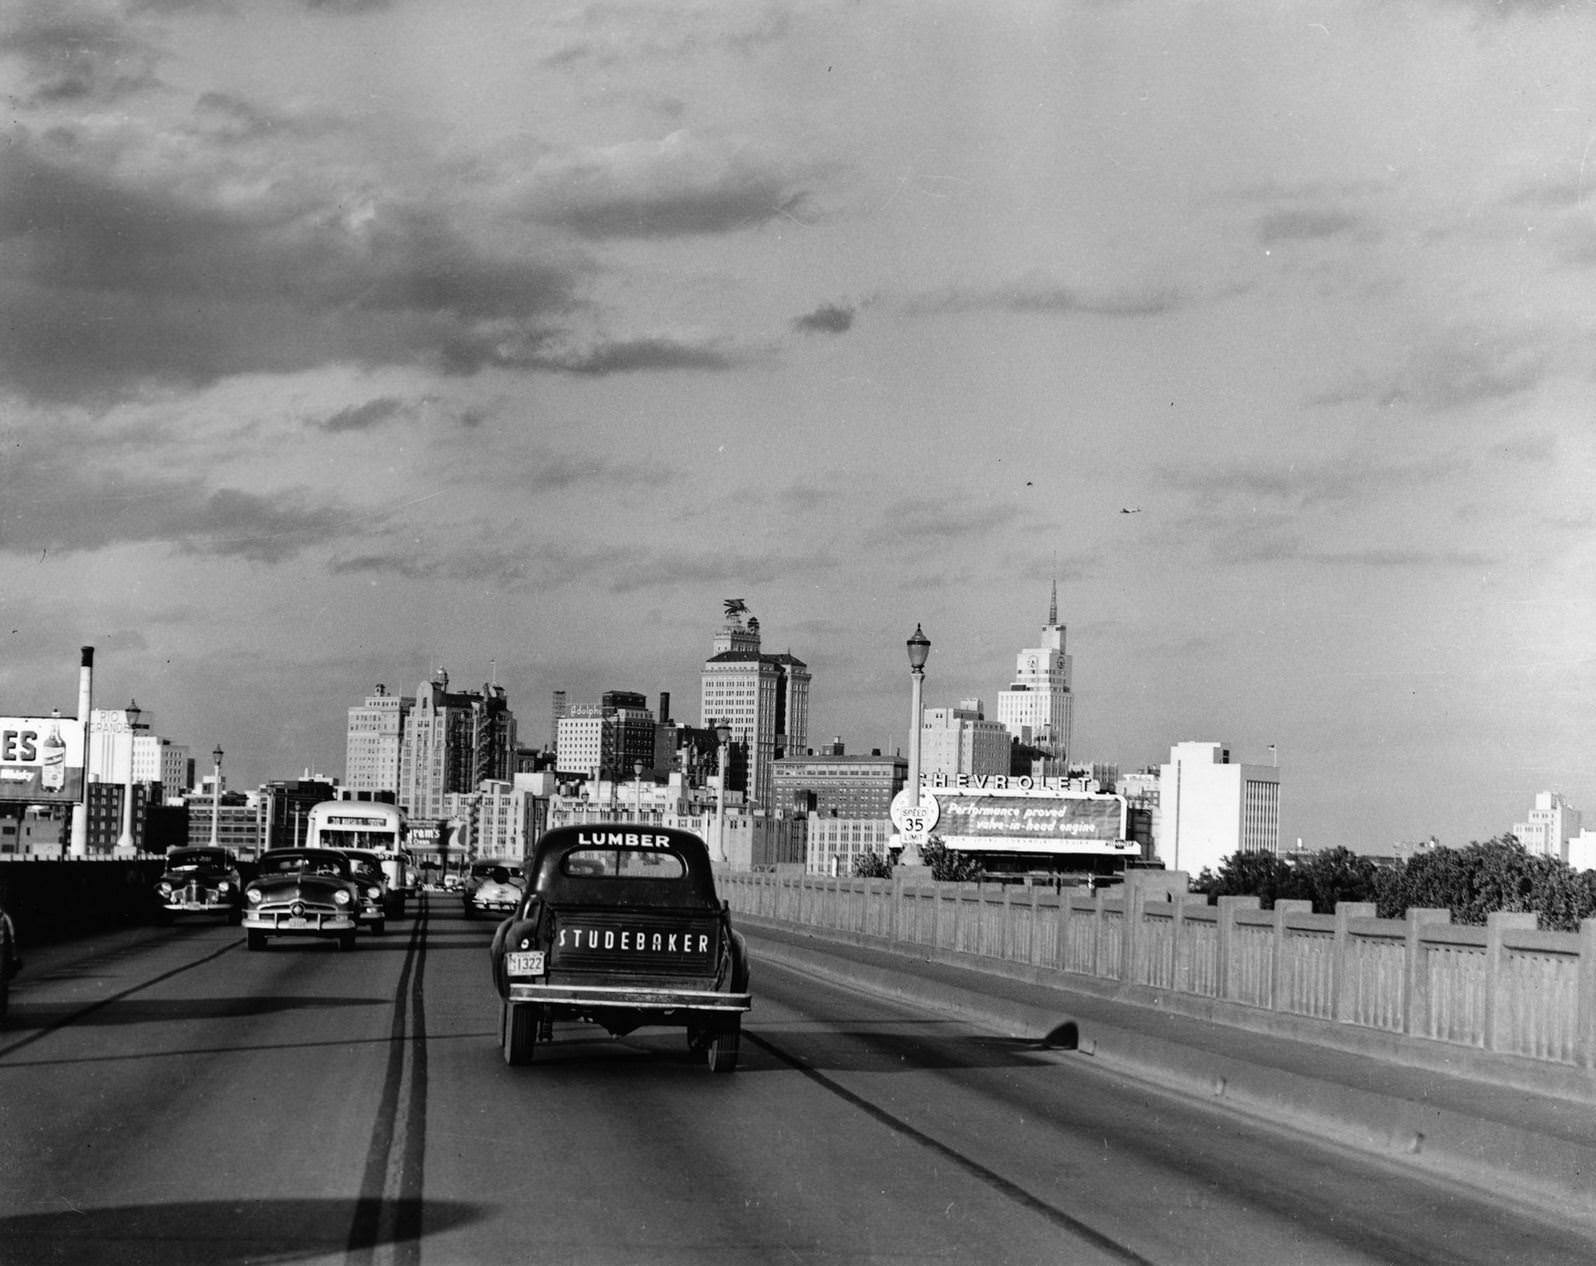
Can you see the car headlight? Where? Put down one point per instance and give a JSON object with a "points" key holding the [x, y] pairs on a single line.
{"points": [[222, 887], [166, 889], [341, 897], [253, 895], [374, 893]]}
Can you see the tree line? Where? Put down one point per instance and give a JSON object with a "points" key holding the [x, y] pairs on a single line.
{"points": [[1471, 882]]}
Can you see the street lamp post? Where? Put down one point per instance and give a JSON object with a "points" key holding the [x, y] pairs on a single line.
{"points": [[919, 651], [124, 843], [637, 774], [216, 791], [723, 737]]}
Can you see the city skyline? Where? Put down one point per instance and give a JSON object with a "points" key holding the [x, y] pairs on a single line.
{"points": [[368, 337]]}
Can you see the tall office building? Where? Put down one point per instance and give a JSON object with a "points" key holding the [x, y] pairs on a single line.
{"points": [[763, 698], [1210, 808], [962, 741], [453, 742], [1038, 708], [374, 740], [122, 749]]}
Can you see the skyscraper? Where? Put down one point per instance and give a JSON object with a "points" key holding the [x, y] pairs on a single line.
{"points": [[373, 742], [1037, 708], [454, 740], [763, 698]]}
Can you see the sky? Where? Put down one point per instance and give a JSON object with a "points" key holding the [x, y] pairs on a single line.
{"points": [[342, 342]]}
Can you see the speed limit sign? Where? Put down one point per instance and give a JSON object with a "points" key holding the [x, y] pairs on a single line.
{"points": [[915, 817]]}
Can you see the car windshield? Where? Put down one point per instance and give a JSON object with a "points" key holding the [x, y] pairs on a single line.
{"points": [[194, 859], [624, 863], [304, 864], [484, 870]]}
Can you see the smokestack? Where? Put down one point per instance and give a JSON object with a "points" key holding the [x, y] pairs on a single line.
{"points": [[79, 844], [664, 706]]}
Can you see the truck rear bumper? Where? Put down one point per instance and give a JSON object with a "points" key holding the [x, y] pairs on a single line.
{"points": [[631, 997]]}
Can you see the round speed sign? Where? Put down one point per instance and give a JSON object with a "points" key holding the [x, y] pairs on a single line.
{"points": [[915, 818]]}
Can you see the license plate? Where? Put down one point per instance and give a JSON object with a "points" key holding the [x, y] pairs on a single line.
{"points": [[292, 922], [524, 963]]}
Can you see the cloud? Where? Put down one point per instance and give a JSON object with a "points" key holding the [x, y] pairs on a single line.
{"points": [[1465, 366], [105, 283], [683, 185], [829, 318], [1306, 225], [633, 355], [75, 55], [1042, 296], [363, 417]]}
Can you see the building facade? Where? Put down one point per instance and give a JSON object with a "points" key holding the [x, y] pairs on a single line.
{"points": [[374, 741], [123, 749], [1037, 708], [454, 741], [763, 698], [831, 783], [962, 741], [1210, 808], [1552, 823]]}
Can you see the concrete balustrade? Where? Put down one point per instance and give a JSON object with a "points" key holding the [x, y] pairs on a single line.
{"points": [[1507, 989]]}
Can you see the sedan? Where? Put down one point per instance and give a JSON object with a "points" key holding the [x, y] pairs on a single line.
{"points": [[302, 892]]}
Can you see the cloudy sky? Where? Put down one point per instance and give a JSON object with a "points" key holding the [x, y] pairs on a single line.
{"points": [[342, 341]]}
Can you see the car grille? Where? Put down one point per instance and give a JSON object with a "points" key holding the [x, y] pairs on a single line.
{"points": [[277, 911], [636, 943]]}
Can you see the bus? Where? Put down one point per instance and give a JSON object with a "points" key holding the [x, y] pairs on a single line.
{"points": [[371, 825]]}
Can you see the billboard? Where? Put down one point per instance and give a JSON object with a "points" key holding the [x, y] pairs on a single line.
{"points": [[1060, 822], [41, 760]]}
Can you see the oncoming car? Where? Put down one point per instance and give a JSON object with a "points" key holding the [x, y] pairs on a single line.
{"points": [[302, 892], [492, 887], [620, 927], [372, 882], [200, 881]]}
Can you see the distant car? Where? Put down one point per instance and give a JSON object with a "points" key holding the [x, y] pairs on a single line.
{"points": [[201, 881], [10, 961], [404, 880], [621, 927], [492, 887], [302, 892], [375, 896]]}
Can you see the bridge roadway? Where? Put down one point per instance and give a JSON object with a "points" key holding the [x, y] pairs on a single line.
{"points": [[168, 1097]]}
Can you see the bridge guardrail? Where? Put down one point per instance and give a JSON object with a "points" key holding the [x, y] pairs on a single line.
{"points": [[1505, 988]]}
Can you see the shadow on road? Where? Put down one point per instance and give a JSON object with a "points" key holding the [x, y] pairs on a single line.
{"points": [[145, 1011], [212, 1232]]}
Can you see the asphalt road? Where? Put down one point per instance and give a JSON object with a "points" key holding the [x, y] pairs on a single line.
{"points": [[168, 1097]]}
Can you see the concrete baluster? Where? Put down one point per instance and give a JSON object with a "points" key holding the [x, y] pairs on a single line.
{"points": [[1341, 974], [1416, 971], [1497, 1019], [1225, 948]]}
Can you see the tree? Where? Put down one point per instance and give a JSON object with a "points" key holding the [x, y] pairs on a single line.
{"points": [[872, 865], [1333, 875], [1261, 875], [949, 865]]}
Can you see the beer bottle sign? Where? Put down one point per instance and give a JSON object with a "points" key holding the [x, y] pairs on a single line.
{"points": [[52, 759]]}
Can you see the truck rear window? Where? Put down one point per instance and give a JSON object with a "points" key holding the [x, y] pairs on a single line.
{"points": [[623, 863]]}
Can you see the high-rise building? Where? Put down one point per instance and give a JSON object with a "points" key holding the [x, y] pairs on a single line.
{"points": [[1210, 808], [1552, 823], [1037, 708], [375, 737], [962, 741], [611, 738], [453, 741], [764, 699]]}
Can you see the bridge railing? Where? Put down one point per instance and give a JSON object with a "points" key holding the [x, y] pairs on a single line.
{"points": [[1506, 987]]}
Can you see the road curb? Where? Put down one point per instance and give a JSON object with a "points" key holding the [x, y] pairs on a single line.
{"points": [[1552, 1174]]}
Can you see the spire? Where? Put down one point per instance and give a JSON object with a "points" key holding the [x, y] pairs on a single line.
{"points": [[1052, 606]]}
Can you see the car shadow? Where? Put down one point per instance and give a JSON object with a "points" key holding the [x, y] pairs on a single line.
{"points": [[219, 1232]]}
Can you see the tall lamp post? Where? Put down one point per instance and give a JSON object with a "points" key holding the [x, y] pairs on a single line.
{"points": [[637, 774], [919, 651], [124, 843], [723, 737], [216, 790]]}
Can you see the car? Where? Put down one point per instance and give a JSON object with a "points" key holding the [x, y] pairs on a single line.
{"points": [[492, 887], [375, 896], [10, 961], [404, 881], [201, 880], [308, 892], [620, 927]]}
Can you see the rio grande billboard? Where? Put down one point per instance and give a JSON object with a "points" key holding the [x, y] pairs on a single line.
{"points": [[1039, 822], [41, 760]]}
